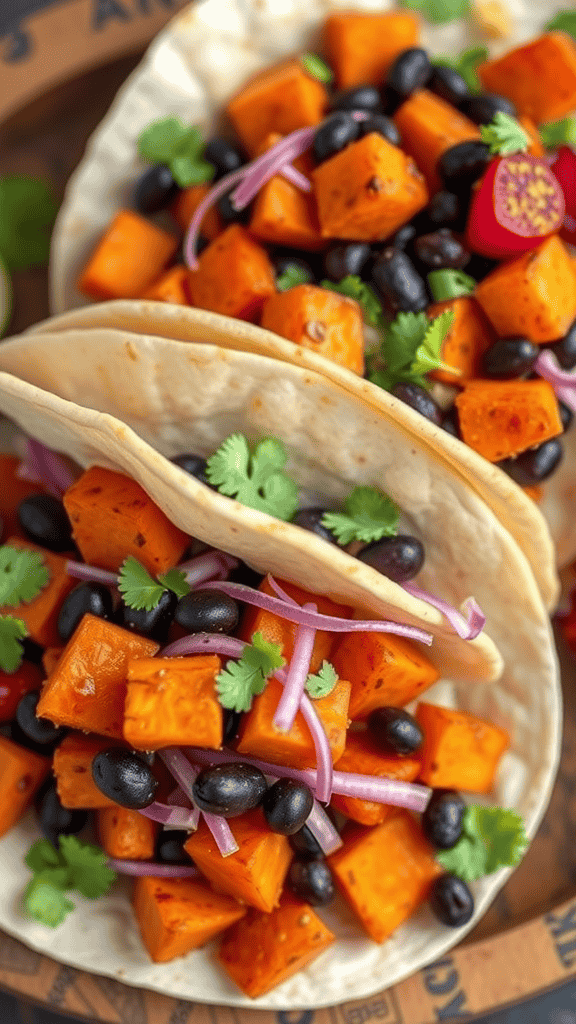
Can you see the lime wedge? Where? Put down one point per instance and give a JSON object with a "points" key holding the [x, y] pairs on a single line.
{"points": [[5, 298]]}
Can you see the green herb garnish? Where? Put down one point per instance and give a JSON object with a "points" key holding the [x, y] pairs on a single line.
{"points": [[410, 348], [292, 276], [11, 652], [180, 146], [22, 577], [450, 284], [368, 515], [492, 838], [466, 64], [141, 591], [558, 133], [316, 68], [28, 213], [504, 135], [76, 865], [256, 480], [244, 679], [355, 288], [439, 11], [563, 21], [321, 684]]}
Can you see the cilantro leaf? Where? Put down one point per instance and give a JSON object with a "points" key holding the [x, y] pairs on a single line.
{"points": [[175, 580], [28, 213], [402, 339], [369, 515], [427, 355], [169, 141], [11, 652], [449, 284], [563, 21], [321, 684], [255, 480], [137, 586], [46, 903], [22, 575], [188, 171], [504, 135], [88, 866], [558, 133], [291, 276], [439, 11], [355, 288], [244, 679], [465, 64], [492, 838], [316, 68], [410, 349], [42, 854]]}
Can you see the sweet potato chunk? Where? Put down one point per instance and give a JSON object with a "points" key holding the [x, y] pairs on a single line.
{"points": [[368, 190], [180, 914], [535, 147], [503, 418], [12, 492], [283, 214], [543, 283], [280, 99], [234, 276], [13, 686], [171, 286], [539, 77], [255, 873], [321, 320], [385, 873], [263, 950], [41, 614], [429, 126], [87, 688], [382, 669], [259, 738], [113, 517], [50, 658], [460, 751], [362, 756], [185, 205], [173, 702], [126, 834], [21, 772], [131, 254], [361, 47], [468, 338], [73, 771]]}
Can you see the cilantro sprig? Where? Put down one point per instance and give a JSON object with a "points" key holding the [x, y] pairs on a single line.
{"points": [[355, 288], [466, 64], [559, 133], [504, 135], [410, 349], [368, 516], [22, 577], [440, 12], [244, 679], [323, 682], [141, 591], [316, 68], [563, 21], [76, 865], [255, 479], [292, 275], [492, 838], [169, 141]]}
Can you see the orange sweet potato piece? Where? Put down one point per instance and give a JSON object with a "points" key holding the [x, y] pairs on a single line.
{"points": [[263, 950], [173, 702], [171, 286], [467, 340], [126, 834], [176, 915], [41, 614], [429, 126], [131, 254], [283, 214], [542, 283], [460, 751], [12, 687], [361, 47], [539, 77], [535, 147], [259, 738], [279, 99], [12, 492], [255, 873], [50, 658], [184, 207], [113, 517], [87, 688], [503, 418], [321, 320], [234, 276], [382, 669], [368, 190], [364, 757], [21, 773], [73, 771]]}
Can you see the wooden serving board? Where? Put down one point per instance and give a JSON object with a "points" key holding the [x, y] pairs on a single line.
{"points": [[526, 942]]}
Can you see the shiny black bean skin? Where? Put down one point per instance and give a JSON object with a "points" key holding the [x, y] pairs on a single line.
{"points": [[410, 71], [448, 84], [361, 97], [231, 725], [404, 236], [287, 805], [342, 259], [223, 156], [399, 558], [444, 209], [395, 731], [39, 730], [536, 464], [229, 213], [311, 519], [442, 819], [441, 250], [124, 777], [56, 820], [94, 598], [451, 901], [282, 263], [154, 624], [304, 844], [170, 847], [420, 400], [44, 521], [566, 415], [155, 189], [565, 349], [399, 285], [312, 881], [482, 108], [450, 422], [334, 134], [207, 611], [462, 165], [229, 789], [508, 358], [192, 464], [383, 126]]}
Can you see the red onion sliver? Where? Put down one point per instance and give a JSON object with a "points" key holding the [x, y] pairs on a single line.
{"points": [[185, 774], [296, 676], [25, 472], [278, 590], [327, 837], [223, 837], [205, 643], [142, 868], [563, 381], [329, 623], [324, 764], [466, 626], [175, 817], [178, 798], [80, 571], [567, 395], [207, 566], [41, 461], [270, 164], [295, 177], [223, 186]]}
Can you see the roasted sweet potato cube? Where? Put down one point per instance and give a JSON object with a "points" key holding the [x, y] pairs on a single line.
{"points": [[361, 47], [185, 205], [460, 751], [368, 190], [263, 950], [21, 772], [429, 126], [176, 915], [87, 688], [259, 738], [385, 873], [131, 254], [112, 517], [535, 147], [499, 419], [255, 873], [41, 614], [382, 669], [13, 686], [543, 283], [539, 77], [173, 702], [171, 286], [50, 658], [280, 99], [13, 490], [468, 338], [126, 834], [234, 276], [283, 214], [321, 320], [73, 771], [362, 756]]}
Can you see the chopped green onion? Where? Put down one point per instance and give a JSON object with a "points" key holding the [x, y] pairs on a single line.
{"points": [[316, 68], [558, 133], [450, 284]]}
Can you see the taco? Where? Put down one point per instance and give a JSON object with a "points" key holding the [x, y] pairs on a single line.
{"points": [[105, 180]]}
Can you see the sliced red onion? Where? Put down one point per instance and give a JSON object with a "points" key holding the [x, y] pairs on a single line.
{"points": [[25, 472], [51, 469], [191, 237], [295, 177], [327, 837], [80, 571], [567, 395], [178, 798], [221, 833], [324, 764], [174, 817], [185, 774], [467, 626], [563, 381], [329, 623], [271, 163], [207, 566], [143, 868], [275, 586], [205, 643], [296, 676]]}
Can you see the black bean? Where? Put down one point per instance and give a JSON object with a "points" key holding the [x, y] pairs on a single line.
{"points": [[410, 71], [207, 611], [536, 464], [229, 789], [334, 134], [155, 623], [229, 213], [44, 521], [480, 266], [155, 190], [451, 901], [286, 805], [311, 519], [441, 250], [283, 263], [312, 881], [444, 209], [231, 725], [344, 258], [508, 358], [566, 415], [450, 421], [361, 97], [462, 165], [56, 820], [246, 575], [223, 156], [442, 819], [482, 108], [192, 464], [39, 730], [565, 349], [398, 283], [304, 843], [420, 400], [124, 776], [399, 558], [170, 847], [448, 84], [404, 236], [395, 731], [383, 126], [93, 598]]}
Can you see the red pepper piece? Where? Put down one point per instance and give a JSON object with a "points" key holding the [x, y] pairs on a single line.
{"points": [[518, 203], [564, 169]]}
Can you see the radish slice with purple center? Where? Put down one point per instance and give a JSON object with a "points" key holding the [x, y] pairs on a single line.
{"points": [[185, 774], [142, 868], [468, 625], [563, 381], [296, 676]]}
